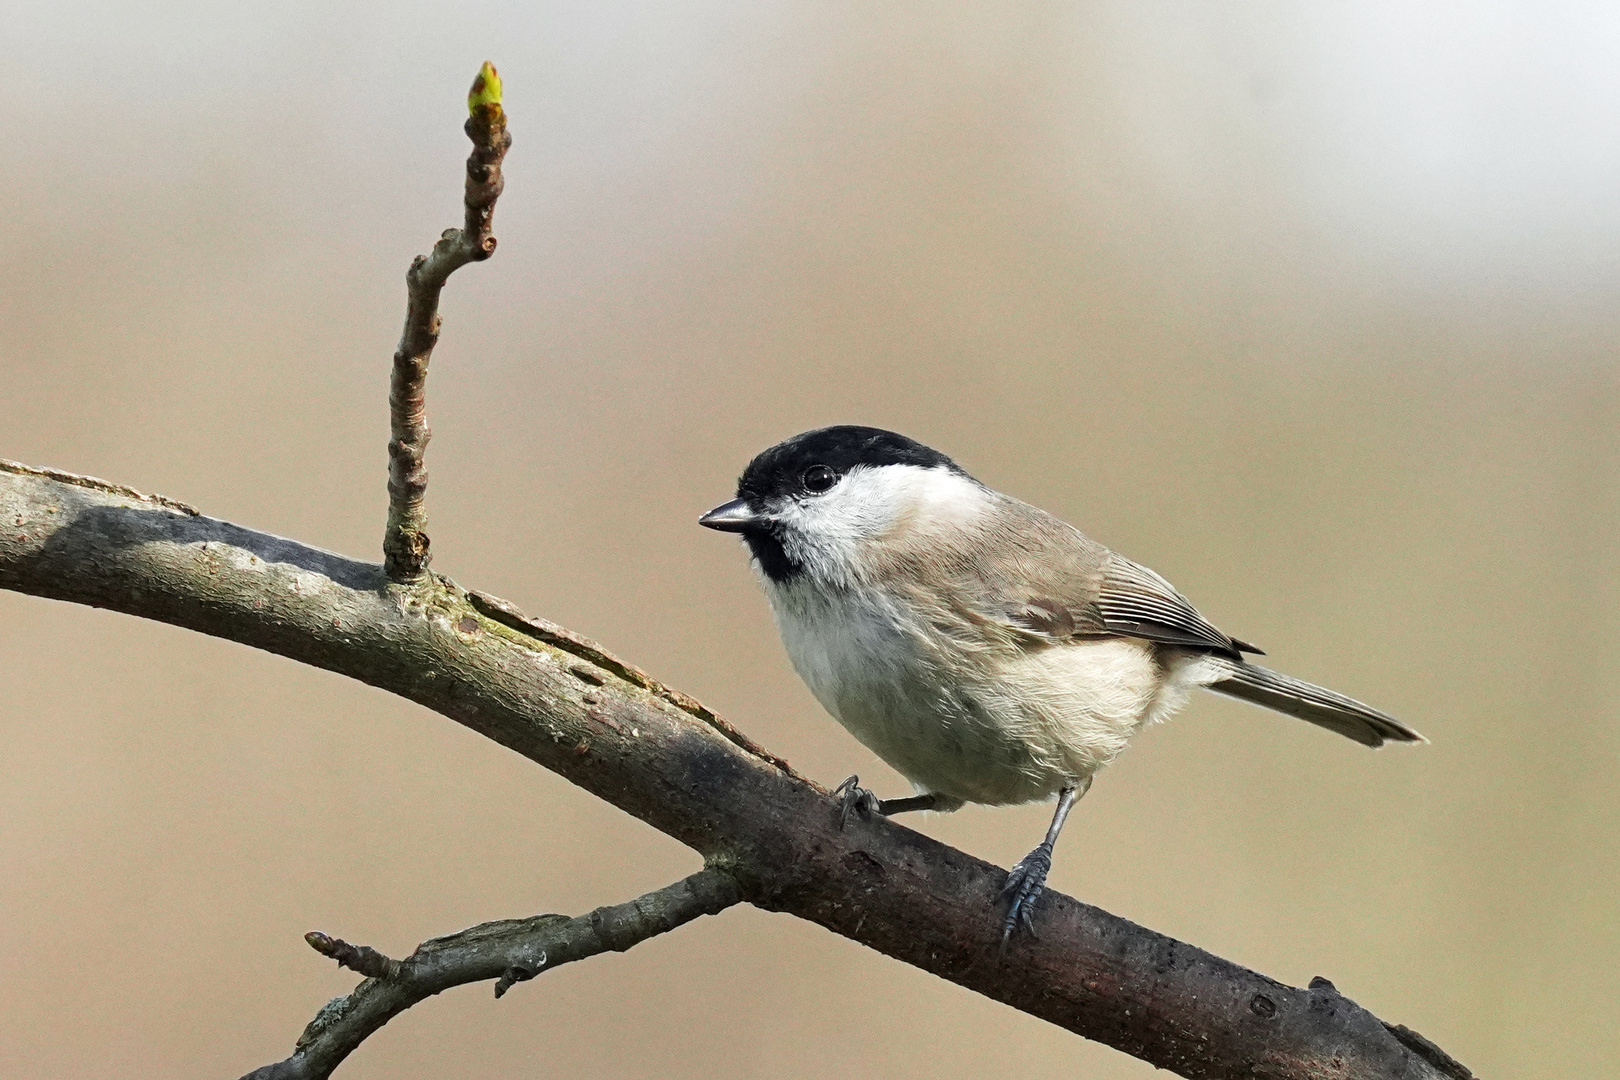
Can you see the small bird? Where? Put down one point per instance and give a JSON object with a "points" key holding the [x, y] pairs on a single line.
{"points": [[988, 651]]}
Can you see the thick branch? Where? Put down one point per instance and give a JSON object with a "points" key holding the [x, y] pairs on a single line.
{"points": [[405, 541], [510, 951], [566, 704]]}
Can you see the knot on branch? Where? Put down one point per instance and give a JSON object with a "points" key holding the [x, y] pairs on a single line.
{"points": [[519, 973], [406, 554]]}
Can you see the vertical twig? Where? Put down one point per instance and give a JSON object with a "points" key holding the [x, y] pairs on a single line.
{"points": [[405, 542]]}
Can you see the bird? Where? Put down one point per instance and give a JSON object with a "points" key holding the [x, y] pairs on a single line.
{"points": [[988, 651]]}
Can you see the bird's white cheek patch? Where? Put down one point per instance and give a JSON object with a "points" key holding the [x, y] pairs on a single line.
{"points": [[834, 534]]}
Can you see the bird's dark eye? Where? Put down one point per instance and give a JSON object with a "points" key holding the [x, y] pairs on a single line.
{"points": [[818, 478]]}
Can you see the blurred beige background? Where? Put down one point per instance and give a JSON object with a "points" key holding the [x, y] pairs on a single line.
{"points": [[1313, 308]]}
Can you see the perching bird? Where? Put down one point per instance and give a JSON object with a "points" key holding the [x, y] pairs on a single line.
{"points": [[988, 651]]}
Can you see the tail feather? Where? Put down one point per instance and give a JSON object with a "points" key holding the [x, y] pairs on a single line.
{"points": [[1293, 697]]}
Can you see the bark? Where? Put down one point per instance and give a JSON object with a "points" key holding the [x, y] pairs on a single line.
{"points": [[566, 704], [405, 541], [510, 951]]}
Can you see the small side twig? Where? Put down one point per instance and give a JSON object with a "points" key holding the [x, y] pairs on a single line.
{"points": [[509, 951], [405, 542], [362, 958]]}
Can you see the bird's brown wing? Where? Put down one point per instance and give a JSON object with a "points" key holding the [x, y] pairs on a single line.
{"points": [[1058, 584], [1136, 602]]}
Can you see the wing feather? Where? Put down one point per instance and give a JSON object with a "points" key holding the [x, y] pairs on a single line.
{"points": [[1060, 585], [1136, 602]]}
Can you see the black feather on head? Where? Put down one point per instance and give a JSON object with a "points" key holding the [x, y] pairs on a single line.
{"points": [[780, 472]]}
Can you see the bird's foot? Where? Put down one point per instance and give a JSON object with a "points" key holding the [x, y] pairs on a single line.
{"points": [[855, 799], [1024, 885]]}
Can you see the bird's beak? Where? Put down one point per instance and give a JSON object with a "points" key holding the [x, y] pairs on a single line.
{"points": [[734, 516]]}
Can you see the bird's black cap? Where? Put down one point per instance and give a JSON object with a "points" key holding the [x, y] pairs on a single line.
{"points": [[780, 470]]}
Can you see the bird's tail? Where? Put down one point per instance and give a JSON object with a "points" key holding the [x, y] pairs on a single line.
{"points": [[1273, 690]]}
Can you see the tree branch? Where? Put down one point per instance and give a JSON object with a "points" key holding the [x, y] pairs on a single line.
{"points": [[768, 835], [565, 703], [510, 951], [405, 541]]}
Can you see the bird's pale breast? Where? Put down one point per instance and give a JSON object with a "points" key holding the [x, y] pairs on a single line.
{"points": [[1008, 728]]}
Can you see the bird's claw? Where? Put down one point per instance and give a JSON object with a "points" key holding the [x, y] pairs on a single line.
{"points": [[855, 799], [1025, 884]]}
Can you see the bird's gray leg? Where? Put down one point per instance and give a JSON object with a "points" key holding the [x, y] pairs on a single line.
{"points": [[1027, 880], [857, 800]]}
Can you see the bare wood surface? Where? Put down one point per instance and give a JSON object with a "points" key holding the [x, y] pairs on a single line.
{"points": [[510, 951], [566, 704]]}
